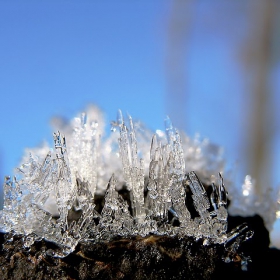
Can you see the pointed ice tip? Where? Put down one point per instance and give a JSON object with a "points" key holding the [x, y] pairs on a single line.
{"points": [[192, 173], [83, 118], [221, 181], [130, 121], [113, 180], [154, 140], [154, 146], [7, 178], [167, 119], [112, 177], [128, 115], [120, 117], [168, 124]]}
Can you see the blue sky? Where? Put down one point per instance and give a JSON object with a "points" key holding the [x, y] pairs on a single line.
{"points": [[56, 57]]}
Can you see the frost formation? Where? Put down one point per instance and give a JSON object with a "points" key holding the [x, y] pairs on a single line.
{"points": [[54, 195]]}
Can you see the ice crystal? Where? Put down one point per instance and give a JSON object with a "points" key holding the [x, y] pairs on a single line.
{"points": [[175, 187]]}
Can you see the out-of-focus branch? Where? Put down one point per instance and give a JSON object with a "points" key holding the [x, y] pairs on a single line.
{"points": [[176, 76], [260, 115]]}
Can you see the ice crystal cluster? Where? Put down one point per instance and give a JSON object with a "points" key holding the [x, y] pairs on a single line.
{"points": [[53, 196]]}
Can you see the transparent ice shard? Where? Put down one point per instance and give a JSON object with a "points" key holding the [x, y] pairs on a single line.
{"points": [[236, 236], [176, 171], [115, 217], [63, 187], [214, 198], [54, 195], [159, 198], [221, 212], [83, 155], [133, 168], [174, 140], [200, 199]]}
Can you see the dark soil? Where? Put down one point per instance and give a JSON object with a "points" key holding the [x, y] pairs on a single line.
{"points": [[152, 257]]}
